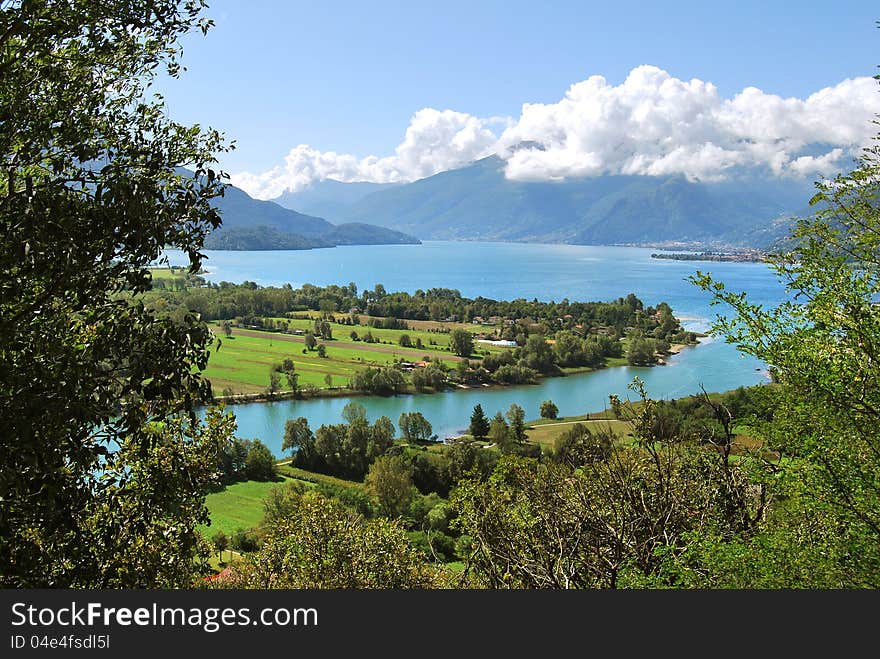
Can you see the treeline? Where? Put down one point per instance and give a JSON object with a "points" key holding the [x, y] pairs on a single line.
{"points": [[226, 301]]}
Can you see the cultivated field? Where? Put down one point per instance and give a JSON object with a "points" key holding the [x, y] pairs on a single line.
{"points": [[241, 363]]}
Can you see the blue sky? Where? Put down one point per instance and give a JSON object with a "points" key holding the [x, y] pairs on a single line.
{"points": [[348, 77]]}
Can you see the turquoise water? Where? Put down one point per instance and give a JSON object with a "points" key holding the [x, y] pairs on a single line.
{"points": [[509, 271]]}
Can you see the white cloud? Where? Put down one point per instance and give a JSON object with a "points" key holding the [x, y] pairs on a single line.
{"points": [[654, 124], [650, 124], [435, 141]]}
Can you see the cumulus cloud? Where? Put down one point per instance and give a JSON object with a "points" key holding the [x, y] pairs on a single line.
{"points": [[435, 141], [653, 124], [650, 124]]}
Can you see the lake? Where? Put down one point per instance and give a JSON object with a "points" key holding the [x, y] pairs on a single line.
{"points": [[510, 271]]}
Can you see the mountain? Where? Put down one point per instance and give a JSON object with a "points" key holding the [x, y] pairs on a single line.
{"points": [[329, 198], [477, 202], [251, 224], [261, 237]]}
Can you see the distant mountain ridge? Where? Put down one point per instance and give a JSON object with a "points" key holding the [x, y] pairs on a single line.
{"points": [[251, 224], [477, 202], [329, 198]]}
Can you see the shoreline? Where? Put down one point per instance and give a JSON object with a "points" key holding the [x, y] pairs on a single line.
{"points": [[244, 399]]}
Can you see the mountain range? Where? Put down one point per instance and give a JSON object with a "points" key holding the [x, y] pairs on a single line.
{"points": [[251, 224], [477, 202]]}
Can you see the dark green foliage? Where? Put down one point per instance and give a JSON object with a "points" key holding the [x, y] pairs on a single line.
{"points": [[260, 237], [260, 463], [280, 501], [462, 342], [244, 540], [433, 546], [641, 352], [354, 498], [320, 544], [220, 542], [514, 374], [822, 349], [479, 425], [499, 432], [549, 410], [516, 417], [537, 355], [493, 362], [579, 445], [103, 475], [431, 473], [384, 380], [574, 350], [389, 479], [297, 435], [344, 450], [432, 376], [415, 427]]}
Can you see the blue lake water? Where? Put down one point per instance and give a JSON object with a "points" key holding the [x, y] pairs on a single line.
{"points": [[510, 271]]}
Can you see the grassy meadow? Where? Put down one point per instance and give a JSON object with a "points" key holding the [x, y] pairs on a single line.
{"points": [[241, 362]]}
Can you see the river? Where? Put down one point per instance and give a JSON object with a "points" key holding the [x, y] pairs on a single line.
{"points": [[510, 271]]}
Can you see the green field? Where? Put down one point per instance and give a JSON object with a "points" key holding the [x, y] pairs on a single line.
{"points": [[546, 431], [241, 362], [239, 505], [168, 272]]}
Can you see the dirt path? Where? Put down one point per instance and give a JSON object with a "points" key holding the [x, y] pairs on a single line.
{"points": [[415, 354]]}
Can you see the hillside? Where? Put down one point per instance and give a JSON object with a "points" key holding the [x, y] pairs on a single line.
{"points": [[477, 202], [250, 224]]}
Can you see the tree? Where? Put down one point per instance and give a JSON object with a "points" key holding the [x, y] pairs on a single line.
{"points": [[822, 347], [320, 544], [549, 410], [322, 350], [641, 352], [516, 416], [538, 355], [479, 426], [290, 374], [328, 380], [621, 520], [244, 541], [96, 388], [352, 411], [274, 380], [260, 464], [404, 341], [414, 427], [226, 326], [462, 342], [390, 481], [297, 435], [499, 432], [578, 446], [280, 501], [220, 542], [311, 341]]}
